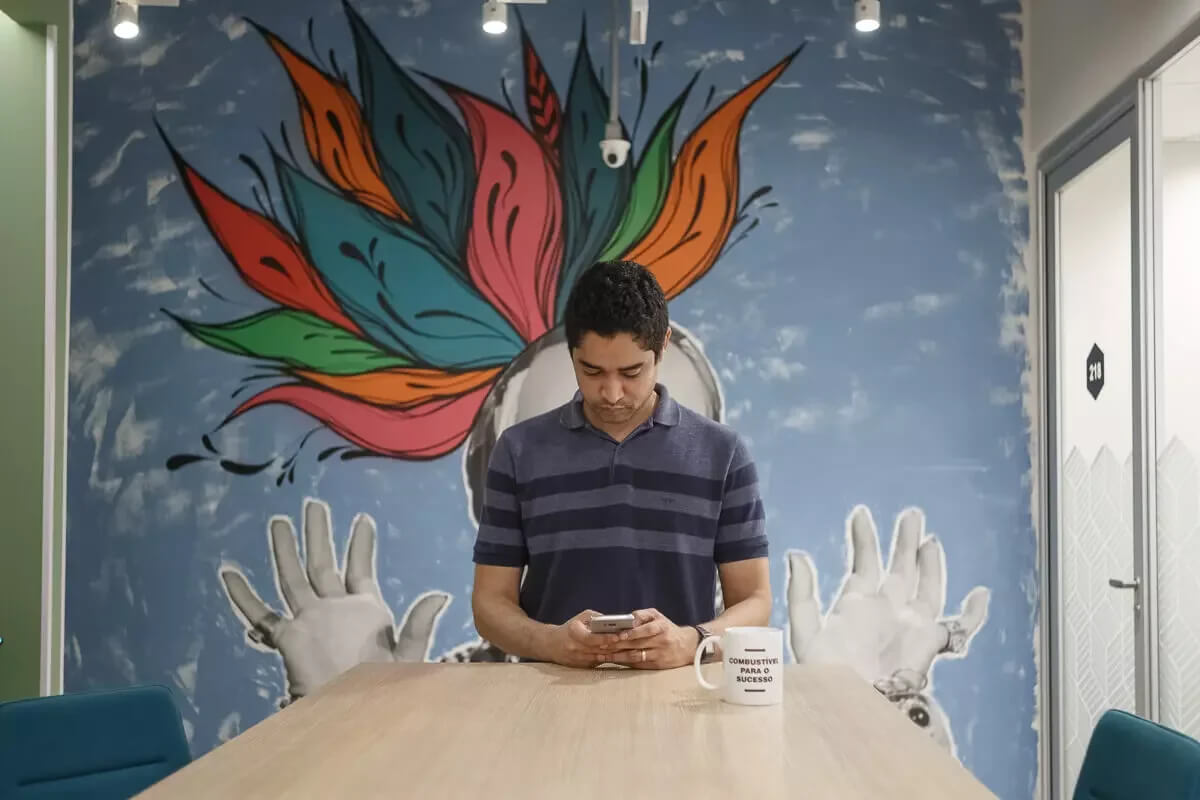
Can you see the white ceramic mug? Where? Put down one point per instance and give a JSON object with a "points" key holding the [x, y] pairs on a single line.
{"points": [[753, 666]]}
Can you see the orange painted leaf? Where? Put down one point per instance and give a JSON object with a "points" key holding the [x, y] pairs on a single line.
{"points": [[403, 387], [701, 205], [335, 133]]}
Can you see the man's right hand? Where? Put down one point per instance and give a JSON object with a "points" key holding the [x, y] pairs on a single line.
{"points": [[572, 644]]}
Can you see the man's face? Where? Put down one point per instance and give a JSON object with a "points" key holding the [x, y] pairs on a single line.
{"points": [[616, 376]]}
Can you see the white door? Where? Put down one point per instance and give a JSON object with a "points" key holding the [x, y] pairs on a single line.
{"points": [[1094, 596]]}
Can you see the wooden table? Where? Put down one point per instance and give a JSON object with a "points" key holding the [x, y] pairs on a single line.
{"points": [[540, 731]]}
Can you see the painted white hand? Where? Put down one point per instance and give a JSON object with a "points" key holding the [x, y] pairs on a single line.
{"points": [[890, 628], [337, 620]]}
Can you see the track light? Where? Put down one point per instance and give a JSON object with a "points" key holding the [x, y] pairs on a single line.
{"points": [[125, 19], [639, 11], [866, 15], [495, 17]]}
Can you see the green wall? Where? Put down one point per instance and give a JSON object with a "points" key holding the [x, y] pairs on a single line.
{"points": [[24, 28], [22, 211]]}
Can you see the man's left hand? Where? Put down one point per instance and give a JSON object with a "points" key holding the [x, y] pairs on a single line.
{"points": [[655, 643]]}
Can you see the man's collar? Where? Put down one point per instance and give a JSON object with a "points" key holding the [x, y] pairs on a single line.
{"points": [[571, 415], [666, 411]]}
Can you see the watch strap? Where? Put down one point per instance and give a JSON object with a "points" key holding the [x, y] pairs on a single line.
{"points": [[704, 634]]}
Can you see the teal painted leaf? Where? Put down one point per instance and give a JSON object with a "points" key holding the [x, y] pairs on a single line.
{"points": [[593, 193], [425, 154], [394, 283]]}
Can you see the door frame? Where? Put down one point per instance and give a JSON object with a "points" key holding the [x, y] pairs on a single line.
{"points": [[1147, 345], [50, 673], [1125, 122]]}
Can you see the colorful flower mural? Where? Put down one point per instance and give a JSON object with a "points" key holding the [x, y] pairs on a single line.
{"points": [[431, 249]]}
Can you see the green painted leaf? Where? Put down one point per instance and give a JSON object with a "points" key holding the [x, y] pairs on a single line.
{"points": [[297, 339], [650, 185]]}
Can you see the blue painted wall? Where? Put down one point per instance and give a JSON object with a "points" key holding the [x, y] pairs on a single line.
{"points": [[866, 334]]}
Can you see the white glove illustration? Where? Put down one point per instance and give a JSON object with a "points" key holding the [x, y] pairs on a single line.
{"points": [[888, 628], [338, 620]]}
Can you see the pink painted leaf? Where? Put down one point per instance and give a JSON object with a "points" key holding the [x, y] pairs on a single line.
{"points": [[427, 431], [515, 245]]}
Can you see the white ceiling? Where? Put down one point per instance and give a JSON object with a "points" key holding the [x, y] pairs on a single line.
{"points": [[1181, 97]]}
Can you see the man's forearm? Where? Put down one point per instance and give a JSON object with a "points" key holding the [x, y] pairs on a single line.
{"points": [[754, 611], [506, 625]]}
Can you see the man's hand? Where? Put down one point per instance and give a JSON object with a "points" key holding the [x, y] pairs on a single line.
{"points": [[572, 644], [655, 643]]}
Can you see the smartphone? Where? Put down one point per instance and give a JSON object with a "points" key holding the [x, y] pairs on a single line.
{"points": [[610, 623]]}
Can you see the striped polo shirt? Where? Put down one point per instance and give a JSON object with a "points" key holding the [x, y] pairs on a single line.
{"points": [[619, 526]]}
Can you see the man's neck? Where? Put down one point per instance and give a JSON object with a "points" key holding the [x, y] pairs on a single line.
{"points": [[621, 432]]}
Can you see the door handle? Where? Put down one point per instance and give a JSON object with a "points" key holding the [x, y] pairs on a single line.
{"points": [[1135, 584]]}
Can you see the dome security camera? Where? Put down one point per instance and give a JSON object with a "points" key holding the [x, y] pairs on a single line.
{"points": [[614, 148]]}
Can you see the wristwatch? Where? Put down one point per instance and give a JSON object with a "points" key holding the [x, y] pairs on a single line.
{"points": [[704, 634]]}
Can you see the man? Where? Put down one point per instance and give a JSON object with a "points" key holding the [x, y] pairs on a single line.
{"points": [[620, 501]]}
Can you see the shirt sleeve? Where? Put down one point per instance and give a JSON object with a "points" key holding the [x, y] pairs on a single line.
{"points": [[501, 540], [742, 527]]}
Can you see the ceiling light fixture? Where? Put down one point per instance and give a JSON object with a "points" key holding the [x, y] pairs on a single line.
{"points": [[125, 15], [495, 17], [866, 15], [125, 19]]}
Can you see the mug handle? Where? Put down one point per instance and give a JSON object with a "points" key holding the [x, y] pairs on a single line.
{"points": [[696, 662]]}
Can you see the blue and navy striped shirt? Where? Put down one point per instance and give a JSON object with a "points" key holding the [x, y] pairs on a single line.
{"points": [[620, 526]]}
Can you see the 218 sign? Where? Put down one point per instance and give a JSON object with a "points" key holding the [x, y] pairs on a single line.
{"points": [[1095, 371]]}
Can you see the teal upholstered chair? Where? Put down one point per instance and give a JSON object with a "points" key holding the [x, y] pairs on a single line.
{"points": [[93, 745], [1129, 758]]}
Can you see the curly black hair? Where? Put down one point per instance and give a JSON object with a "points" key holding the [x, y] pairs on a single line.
{"points": [[614, 297]]}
